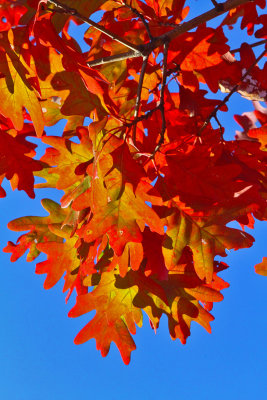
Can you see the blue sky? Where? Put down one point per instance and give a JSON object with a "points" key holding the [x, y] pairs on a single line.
{"points": [[39, 361]]}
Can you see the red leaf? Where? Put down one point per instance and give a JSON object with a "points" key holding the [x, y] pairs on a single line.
{"points": [[16, 164], [150, 186]]}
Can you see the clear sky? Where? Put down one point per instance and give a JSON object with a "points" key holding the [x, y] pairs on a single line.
{"points": [[39, 361]]}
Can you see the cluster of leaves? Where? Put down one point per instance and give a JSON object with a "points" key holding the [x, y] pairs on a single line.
{"points": [[150, 185]]}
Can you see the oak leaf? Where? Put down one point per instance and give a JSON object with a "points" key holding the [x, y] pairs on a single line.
{"points": [[16, 162], [115, 317], [261, 268], [18, 81]]}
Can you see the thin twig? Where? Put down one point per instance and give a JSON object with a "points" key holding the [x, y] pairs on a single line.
{"points": [[195, 22], [140, 118], [213, 114], [162, 92], [146, 49], [140, 86], [73, 12], [115, 57], [139, 92], [260, 42], [168, 24], [176, 70], [220, 125], [218, 6], [136, 12]]}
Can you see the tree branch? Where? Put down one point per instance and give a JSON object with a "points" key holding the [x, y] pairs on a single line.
{"points": [[218, 6], [194, 23], [115, 57], [138, 51], [259, 43], [75, 13], [140, 118], [162, 92], [139, 92], [145, 50]]}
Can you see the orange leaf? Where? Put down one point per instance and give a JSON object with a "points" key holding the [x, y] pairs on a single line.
{"points": [[261, 268], [115, 317], [18, 82]]}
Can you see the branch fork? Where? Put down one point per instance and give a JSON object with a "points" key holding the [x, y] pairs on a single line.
{"points": [[146, 49]]}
